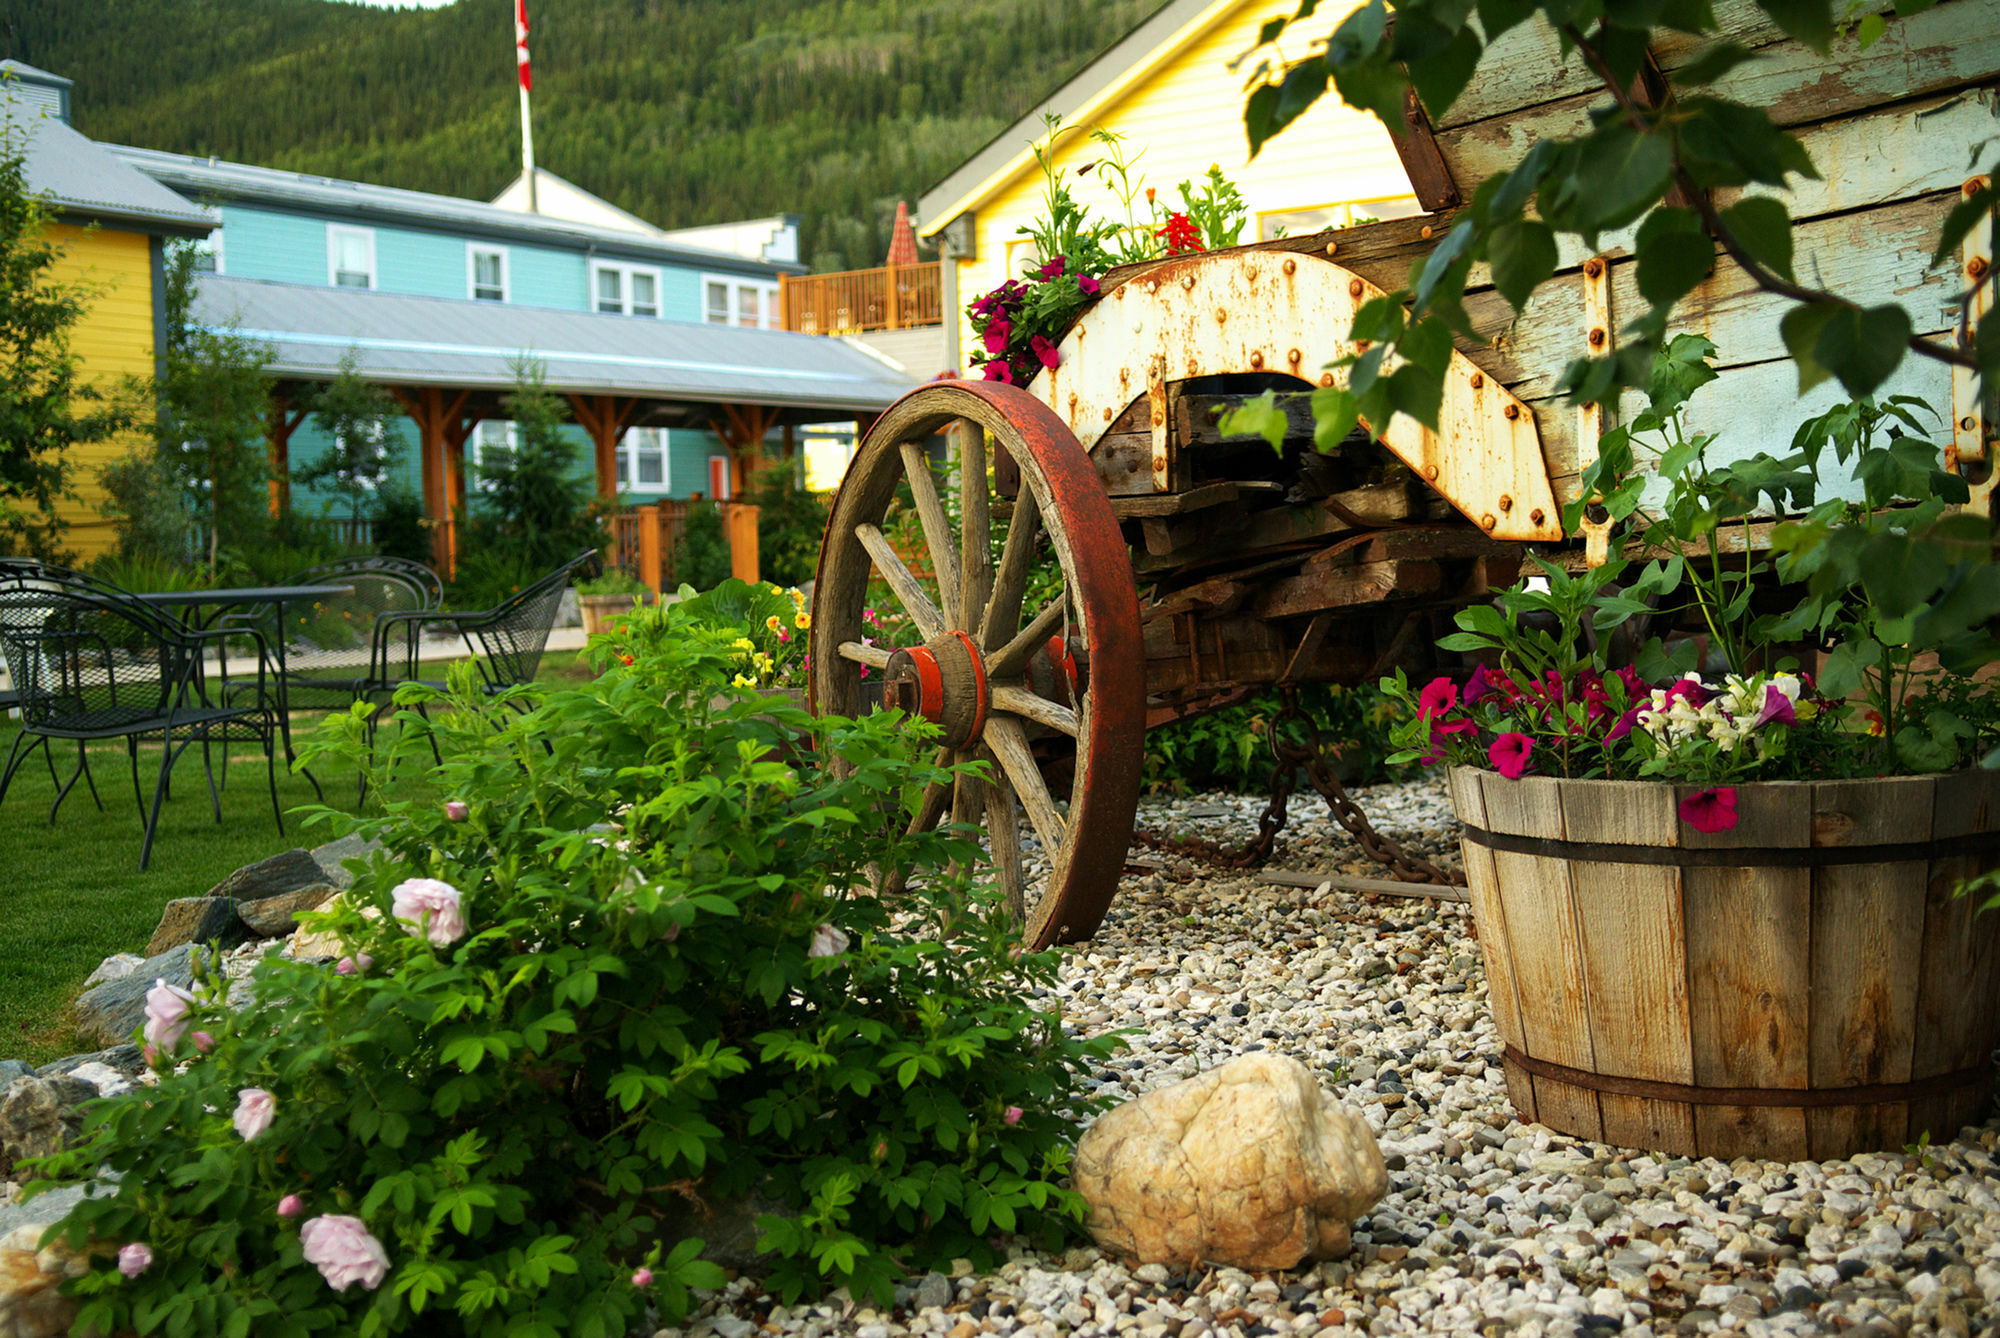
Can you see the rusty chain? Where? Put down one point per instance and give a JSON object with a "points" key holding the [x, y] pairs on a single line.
{"points": [[1287, 759]]}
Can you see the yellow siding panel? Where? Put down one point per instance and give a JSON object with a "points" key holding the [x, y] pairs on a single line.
{"points": [[1187, 114], [115, 342]]}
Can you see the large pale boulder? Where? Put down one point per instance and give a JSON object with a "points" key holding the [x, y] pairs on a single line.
{"points": [[1247, 1165], [30, 1304]]}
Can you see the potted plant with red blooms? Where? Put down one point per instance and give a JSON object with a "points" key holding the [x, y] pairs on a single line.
{"points": [[1020, 323], [1721, 794]]}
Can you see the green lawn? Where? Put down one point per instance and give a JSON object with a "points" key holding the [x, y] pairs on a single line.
{"points": [[72, 894]]}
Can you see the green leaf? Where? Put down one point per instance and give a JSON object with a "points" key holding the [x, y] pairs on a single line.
{"points": [[1417, 392], [1863, 346], [1870, 30], [1764, 228], [1523, 256], [1674, 255], [1621, 173], [1261, 416], [1446, 64], [1800, 328], [1807, 21], [1713, 63], [1960, 222], [1335, 414]]}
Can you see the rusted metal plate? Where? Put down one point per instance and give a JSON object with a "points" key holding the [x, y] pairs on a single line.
{"points": [[1250, 311]]}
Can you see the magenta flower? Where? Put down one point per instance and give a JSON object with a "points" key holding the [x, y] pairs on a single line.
{"points": [[1624, 725], [135, 1258], [995, 338], [1086, 285], [1777, 708], [1477, 685], [997, 370], [642, 1277], [1696, 692], [1509, 754], [1710, 810], [1050, 355], [1053, 269], [1439, 696], [344, 1252], [291, 1206]]}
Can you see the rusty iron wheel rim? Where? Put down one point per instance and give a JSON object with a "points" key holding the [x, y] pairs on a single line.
{"points": [[1100, 609]]}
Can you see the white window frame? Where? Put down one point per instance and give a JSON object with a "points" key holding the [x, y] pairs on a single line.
{"points": [[334, 233], [474, 250], [475, 440], [768, 316], [628, 459], [625, 273]]}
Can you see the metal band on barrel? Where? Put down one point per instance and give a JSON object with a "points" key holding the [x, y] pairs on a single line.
{"points": [[1736, 857], [1794, 1097]]}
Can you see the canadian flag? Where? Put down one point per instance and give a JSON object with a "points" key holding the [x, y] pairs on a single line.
{"points": [[521, 43]]}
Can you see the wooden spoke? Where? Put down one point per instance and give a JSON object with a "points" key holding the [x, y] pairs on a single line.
{"points": [[916, 603], [1003, 611], [937, 531], [873, 656], [1009, 659], [1010, 746], [1006, 839], [975, 557], [1035, 707]]}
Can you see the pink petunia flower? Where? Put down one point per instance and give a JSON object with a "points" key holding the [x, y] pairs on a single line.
{"points": [[1777, 708], [1050, 355], [995, 338], [1086, 285], [1439, 696], [1710, 810], [1479, 684], [1624, 725], [1509, 754], [997, 370]]}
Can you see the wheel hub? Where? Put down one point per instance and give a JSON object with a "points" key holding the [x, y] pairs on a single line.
{"points": [[943, 681]]}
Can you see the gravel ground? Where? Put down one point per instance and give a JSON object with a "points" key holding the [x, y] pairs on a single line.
{"points": [[1490, 1226]]}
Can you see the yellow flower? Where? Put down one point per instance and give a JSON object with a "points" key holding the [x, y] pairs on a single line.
{"points": [[744, 681], [772, 622], [743, 643], [803, 621]]}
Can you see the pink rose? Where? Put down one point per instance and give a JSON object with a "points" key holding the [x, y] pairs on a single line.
{"points": [[355, 965], [291, 1206], [827, 942], [430, 908], [1710, 810], [255, 1108], [456, 811], [167, 1008], [343, 1252], [642, 1277], [135, 1259], [203, 1041], [1509, 754], [1012, 1115]]}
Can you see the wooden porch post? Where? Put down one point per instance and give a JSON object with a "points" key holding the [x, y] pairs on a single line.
{"points": [[605, 418], [443, 484], [649, 546], [457, 431], [280, 421]]}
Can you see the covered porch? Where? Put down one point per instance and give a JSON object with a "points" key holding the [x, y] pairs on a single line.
{"points": [[449, 362]]}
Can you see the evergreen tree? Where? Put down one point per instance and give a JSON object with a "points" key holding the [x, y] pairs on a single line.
{"points": [[47, 408], [532, 506], [358, 415]]}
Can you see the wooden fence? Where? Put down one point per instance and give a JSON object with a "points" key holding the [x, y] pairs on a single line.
{"points": [[890, 298], [644, 539]]}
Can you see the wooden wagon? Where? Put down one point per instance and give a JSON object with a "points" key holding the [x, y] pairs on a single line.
{"points": [[1195, 567]]}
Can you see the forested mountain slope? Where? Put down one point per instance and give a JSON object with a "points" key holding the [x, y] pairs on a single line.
{"points": [[682, 111]]}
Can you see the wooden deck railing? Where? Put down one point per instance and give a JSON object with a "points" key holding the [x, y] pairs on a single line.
{"points": [[644, 539], [890, 298]]}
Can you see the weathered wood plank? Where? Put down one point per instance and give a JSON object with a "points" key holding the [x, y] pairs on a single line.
{"points": [[1958, 983], [1489, 915], [1329, 587], [1124, 461], [1174, 503], [1544, 944], [1866, 947]]}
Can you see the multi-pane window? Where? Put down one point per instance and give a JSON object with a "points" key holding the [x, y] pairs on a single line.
{"points": [[492, 444], [207, 252], [486, 272], [741, 302], [350, 256], [626, 290], [642, 458]]}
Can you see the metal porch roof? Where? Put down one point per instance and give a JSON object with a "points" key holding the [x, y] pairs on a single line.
{"points": [[462, 344]]}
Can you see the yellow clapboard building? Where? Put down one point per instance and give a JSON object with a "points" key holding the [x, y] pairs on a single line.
{"points": [[1170, 90], [112, 223]]}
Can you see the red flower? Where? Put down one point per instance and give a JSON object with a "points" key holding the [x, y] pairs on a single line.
{"points": [[1050, 355], [995, 337], [1180, 235], [1439, 696], [1086, 285], [1053, 269], [1509, 754], [1710, 810], [997, 371]]}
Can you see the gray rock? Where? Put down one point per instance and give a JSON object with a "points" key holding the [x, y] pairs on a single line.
{"points": [[934, 1292], [11, 1069], [332, 855], [126, 1059], [271, 877], [109, 1013], [115, 967], [1598, 1207], [37, 1115], [198, 920], [44, 1210], [276, 917]]}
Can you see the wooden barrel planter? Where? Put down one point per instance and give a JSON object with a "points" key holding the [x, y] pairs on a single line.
{"points": [[1805, 985]]}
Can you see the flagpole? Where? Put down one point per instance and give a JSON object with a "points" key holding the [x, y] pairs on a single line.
{"points": [[527, 120]]}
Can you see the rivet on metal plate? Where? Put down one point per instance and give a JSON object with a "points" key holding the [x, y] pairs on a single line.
{"points": [[1326, 378], [1221, 315], [1292, 356], [1431, 472], [1291, 267], [1506, 504], [1536, 516], [1354, 287], [1107, 413], [1257, 359], [1187, 281], [1478, 380], [1597, 336], [1512, 411], [1488, 521]]}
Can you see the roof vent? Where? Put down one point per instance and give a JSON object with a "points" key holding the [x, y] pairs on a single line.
{"points": [[32, 92]]}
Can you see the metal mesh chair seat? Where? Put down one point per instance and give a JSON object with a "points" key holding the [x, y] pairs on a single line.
{"points": [[91, 664], [332, 653], [510, 637]]}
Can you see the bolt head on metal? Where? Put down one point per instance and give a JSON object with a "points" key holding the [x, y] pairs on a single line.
{"points": [[1593, 267], [1478, 380], [1597, 337], [1326, 378], [1506, 503], [1488, 521], [1536, 516], [1354, 287], [1292, 356], [1425, 232], [1257, 359], [1291, 267], [1187, 280], [1976, 266], [1431, 472], [1332, 247], [1512, 411]]}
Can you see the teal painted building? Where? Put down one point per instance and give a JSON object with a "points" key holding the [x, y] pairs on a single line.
{"points": [[291, 228]]}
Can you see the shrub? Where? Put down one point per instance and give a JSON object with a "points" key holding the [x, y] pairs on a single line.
{"points": [[638, 982], [1229, 749], [399, 525], [701, 556], [790, 524]]}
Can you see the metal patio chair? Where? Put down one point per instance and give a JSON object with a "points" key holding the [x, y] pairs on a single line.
{"points": [[506, 640], [334, 653], [91, 665]]}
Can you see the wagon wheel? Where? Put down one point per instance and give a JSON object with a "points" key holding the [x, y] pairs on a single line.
{"points": [[976, 672]]}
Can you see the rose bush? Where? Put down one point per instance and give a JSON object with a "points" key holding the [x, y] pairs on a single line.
{"points": [[640, 978]]}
